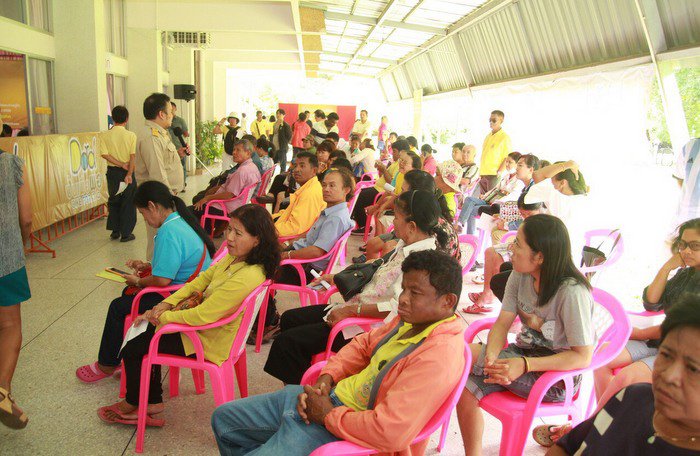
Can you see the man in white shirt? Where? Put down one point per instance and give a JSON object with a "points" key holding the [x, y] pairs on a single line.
{"points": [[321, 129], [362, 126]]}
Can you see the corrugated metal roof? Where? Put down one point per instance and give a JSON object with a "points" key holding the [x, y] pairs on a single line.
{"points": [[681, 21]]}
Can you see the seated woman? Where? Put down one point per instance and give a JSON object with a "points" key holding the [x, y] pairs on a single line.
{"points": [[494, 257], [323, 153], [421, 352], [447, 179], [305, 331], [334, 221], [253, 256], [508, 189], [637, 358], [265, 150], [465, 155], [417, 180], [658, 419], [554, 303], [182, 249]]}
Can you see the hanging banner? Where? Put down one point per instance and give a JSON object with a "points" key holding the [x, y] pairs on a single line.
{"points": [[13, 91], [66, 174], [345, 113]]}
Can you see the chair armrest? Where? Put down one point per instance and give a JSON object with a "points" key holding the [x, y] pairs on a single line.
{"points": [[476, 327], [364, 322], [328, 293], [312, 373], [163, 291]]}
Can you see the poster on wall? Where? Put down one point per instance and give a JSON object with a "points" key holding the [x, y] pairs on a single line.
{"points": [[345, 113], [66, 174], [13, 90]]}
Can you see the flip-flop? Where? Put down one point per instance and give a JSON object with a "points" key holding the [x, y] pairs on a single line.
{"points": [[129, 419], [477, 309], [474, 297], [90, 373], [11, 415], [478, 279], [545, 436]]}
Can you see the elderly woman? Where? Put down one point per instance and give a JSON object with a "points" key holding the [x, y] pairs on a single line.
{"points": [[16, 221], [661, 418], [253, 256]]}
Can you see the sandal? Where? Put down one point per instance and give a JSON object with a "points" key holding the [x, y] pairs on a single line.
{"points": [[477, 309], [474, 297], [128, 418], [548, 434], [478, 279], [11, 415], [90, 373]]}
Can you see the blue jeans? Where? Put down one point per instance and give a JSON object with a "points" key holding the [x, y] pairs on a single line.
{"points": [[268, 424], [470, 209]]}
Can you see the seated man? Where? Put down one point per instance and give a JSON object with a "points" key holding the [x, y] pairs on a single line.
{"points": [[379, 391], [305, 204], [246, 174]]}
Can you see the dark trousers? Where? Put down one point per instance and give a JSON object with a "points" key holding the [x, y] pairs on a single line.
{"points": [[183, 160], [364, 199], [134, 352], [113, 332], [498, 281], [287, 275], [487, 183], [304, 334], [282, 158], [199, 213], [278, 184], [122, 213]]}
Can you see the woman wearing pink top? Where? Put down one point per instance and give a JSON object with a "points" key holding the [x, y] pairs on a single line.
{"points": [[300, 130]]}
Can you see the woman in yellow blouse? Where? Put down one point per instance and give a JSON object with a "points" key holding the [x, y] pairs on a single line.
{"points": [[251, 259]]}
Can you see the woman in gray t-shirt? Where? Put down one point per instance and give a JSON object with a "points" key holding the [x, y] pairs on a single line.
{"points": [[555, 306], [16, 222]]}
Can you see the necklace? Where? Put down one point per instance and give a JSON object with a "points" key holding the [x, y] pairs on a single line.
{"points": [[692, 441]]}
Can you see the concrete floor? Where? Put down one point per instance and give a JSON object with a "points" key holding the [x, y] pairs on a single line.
{"points": [[62, 324]]}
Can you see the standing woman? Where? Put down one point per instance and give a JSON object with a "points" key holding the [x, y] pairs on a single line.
{"points": [[16, 220]]}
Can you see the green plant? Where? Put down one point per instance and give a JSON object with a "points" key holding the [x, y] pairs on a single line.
{"points": [[209, 147], [688, 80]]}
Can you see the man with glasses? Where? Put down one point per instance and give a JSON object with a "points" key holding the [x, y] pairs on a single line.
{"points": [[494, 152]]}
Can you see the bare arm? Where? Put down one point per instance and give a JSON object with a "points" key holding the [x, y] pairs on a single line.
{"points": [[24, 206], [304, 254], [656, 288], [116, 162], [498, 334], [552, 170], [130, 171], [576, 358], [556, 450]]}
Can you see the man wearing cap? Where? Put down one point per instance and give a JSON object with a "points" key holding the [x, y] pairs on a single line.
{"points": [[231, 136]]}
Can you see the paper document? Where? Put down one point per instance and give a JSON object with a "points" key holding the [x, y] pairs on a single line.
{"points": [[134, 331], [485, 222], [351, 331], [122, 187], [109, 276]]}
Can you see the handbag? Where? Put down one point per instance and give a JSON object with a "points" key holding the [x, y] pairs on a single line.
{"points": [[593, 256], [351, 280]]}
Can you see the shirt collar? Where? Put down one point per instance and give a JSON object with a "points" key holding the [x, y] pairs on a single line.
{"points": [[421, 335], [152, 124], [250, 160], [333, 209], [425, 244], [308, 183]]}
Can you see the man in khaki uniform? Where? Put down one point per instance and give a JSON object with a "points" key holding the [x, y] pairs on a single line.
{"points": [[118, 147], [157, 158]]}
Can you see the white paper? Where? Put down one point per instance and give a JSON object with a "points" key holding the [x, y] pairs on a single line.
{"points": [[387, 306], [134, 331], [485, 222], [351, 331], [122, 187], [642, 322]]}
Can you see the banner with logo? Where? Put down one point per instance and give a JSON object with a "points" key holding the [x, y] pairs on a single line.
{"points": [[346, 114], [66, 174], [13, 91]]}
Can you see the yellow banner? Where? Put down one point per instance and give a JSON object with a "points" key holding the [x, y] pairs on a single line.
{"points": [[66, 174]]}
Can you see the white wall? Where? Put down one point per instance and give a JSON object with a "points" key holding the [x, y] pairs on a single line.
{"points": [[182, 72], [144, 56], [22, 39]]}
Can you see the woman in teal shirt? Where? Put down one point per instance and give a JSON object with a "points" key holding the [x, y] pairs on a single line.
{"points": [[182, 249]]}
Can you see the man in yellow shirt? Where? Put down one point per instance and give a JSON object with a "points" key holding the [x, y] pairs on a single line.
{"points": [[259, 125], [494, 152], [306, 203], [118, 147]]}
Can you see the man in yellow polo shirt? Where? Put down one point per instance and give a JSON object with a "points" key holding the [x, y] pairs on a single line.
{"points": [[494, 152], [306, 203], [118, 147]]}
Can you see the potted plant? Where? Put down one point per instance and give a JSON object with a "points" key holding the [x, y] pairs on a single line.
{"points": [[209, 147]]}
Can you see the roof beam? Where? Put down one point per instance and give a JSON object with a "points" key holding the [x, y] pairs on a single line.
{"points": [[369, 59], [346, 73], [380, 21], [294, 4], [375, 21]]}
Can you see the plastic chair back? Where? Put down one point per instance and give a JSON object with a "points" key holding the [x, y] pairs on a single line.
{"points": [[471, 247], [615, 236], [244, 196], [265, 180]]}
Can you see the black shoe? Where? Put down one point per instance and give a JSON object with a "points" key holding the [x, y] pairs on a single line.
{"points": [[128, 238], [358, 232], [114, 235]]}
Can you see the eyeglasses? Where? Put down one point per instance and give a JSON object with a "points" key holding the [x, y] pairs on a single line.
{"points": [[694, 245]]}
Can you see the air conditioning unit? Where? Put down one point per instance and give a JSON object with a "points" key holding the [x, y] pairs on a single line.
{"points": [[197, 40]]}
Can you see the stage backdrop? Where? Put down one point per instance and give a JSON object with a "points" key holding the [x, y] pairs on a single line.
{"points": [[66, 174], [13, 92], [346, 113]]}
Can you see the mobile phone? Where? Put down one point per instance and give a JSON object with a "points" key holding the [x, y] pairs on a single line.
{"points": [[118, 272], [318, 287]]}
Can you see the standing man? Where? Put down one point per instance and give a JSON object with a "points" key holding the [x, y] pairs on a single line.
{"points": [[244, 123], [308, 119], [494, 152], [179, 122], [259, 125], [362, 126], [157, 158], [321, 128], [119, 146], [281, 135]]}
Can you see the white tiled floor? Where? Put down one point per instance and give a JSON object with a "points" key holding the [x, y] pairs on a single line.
{"points": [[62, 324]]}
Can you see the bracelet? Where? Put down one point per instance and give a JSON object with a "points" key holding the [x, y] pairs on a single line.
{"points": [[527, 365], [289, 254], [359, 308]]}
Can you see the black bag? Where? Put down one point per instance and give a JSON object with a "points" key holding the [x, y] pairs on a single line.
{"points": [[351, 280], [593, 256], [230, 140]]}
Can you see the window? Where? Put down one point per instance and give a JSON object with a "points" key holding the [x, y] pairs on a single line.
{"points": [[114, 26], [35, 13], [41, 103], [116, 91]]}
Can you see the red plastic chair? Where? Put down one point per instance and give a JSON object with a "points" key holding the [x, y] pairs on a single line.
{"points": [[244, 196], [304, 292], [473, 242], [221, 377], [264, 183], [517, 414], [368, 222], [440, 418]]}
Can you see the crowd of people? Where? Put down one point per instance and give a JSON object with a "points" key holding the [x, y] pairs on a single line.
{"points": [[381, 386]]}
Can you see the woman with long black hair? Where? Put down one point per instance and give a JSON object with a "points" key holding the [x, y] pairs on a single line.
{"points": [[182, 249]]}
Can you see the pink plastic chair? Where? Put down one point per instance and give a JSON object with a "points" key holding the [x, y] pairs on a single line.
{"points": [[244, 196], [221, 377], [508, 236], [365, 323], [472, 241], [264, 183], [368, 222], [615, 254], [222, 252], [516, 414], [304, 292], [440, 418]]}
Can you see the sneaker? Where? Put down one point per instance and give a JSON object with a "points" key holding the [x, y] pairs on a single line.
{"points": [[128, 238], [115, 235]]}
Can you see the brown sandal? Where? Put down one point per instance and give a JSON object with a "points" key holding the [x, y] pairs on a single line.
{"points": [[11, 415], [548, 434]]}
